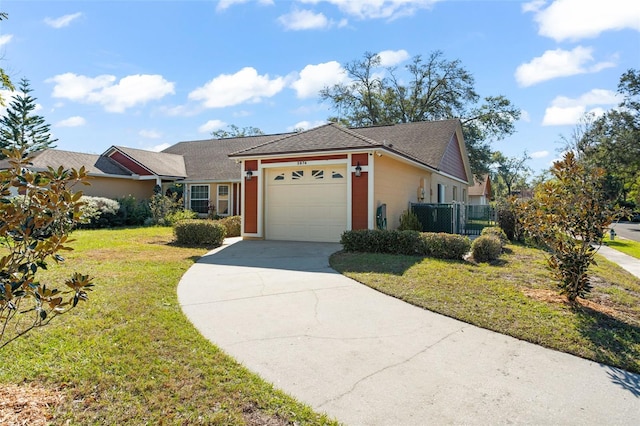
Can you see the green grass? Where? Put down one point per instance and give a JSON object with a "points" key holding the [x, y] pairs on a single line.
{"points": [[630, 247], [515, 296], [129, 355]]}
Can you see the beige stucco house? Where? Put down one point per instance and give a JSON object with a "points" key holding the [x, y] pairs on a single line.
{"points": [[313, 185], [480, 192]]}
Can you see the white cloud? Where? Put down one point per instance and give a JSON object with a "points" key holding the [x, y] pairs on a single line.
{"points": [[568, 111], [539, 154], [315, 77], [533, 6], [389, 58], [233, 89], [211, 125], [579, 19], [375, 9], [558, 63], [525, 116], [63, 21], [304, 20], [130, 91], [75, 121], [158, 148], [225, 4], [306, 125], [5, 39], [150, 134]]}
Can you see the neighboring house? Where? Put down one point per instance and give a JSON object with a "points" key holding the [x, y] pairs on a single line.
{"points": [[480, 193], [214, 180], [117, 173], [314, 185]]}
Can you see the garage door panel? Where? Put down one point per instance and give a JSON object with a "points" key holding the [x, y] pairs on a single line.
{"points": [[308, 208]]}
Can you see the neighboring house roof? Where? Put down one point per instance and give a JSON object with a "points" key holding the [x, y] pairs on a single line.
{"points": [[94, 164], [481, 187], [431, 143], [155, 163], [209, 159]]}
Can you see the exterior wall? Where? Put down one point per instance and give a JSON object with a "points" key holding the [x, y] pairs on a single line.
{"points": [[250, 216], [116, 188], [454, 190], [396, 184], [233, 198], [478, 200], [129, 164], [360, 194]]}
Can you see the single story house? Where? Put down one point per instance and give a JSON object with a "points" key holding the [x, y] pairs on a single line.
{"points": [[480, 193], [313, 185], [116, 173], [307, 186]]}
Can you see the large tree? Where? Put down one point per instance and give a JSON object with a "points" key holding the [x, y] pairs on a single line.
{"points": [[234, 131], [612, 141], [5, 81], [20, 127], [510, 171], [430, 89]]}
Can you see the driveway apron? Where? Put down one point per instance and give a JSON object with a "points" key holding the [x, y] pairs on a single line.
{"points": [[369, 359]]}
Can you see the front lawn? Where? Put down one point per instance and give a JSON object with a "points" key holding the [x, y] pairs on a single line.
{"points": [[515, 296], [129, 355], [630, 247]]}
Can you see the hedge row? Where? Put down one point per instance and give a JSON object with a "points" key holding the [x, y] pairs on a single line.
{"points": [[199, 232], [438, 245]]}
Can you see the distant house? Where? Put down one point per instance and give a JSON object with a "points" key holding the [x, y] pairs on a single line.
{"points": [[480, 192], [118, 172], [306, 186]]}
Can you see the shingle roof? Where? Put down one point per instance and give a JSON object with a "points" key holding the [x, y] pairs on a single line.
{"points": [[209, 159], [480, 187], [159, 163], [425, 141], [328, 137], [94, 164]]}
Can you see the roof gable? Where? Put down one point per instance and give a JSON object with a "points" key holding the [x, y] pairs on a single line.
{"points": [[94, 164], [143, 162]]}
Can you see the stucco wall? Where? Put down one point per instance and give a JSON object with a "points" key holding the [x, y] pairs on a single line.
{"points": [[396, 184], [117, 188]]}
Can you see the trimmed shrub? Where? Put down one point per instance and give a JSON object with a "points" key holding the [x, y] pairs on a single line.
{"points": [[233, 225], [199, 232], [445, 246], [175, 217], [442, 246], [409, 222], [497, 232], [486, 248]]}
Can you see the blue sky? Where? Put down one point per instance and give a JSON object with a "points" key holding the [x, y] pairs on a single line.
{"points": [[148, 74]]}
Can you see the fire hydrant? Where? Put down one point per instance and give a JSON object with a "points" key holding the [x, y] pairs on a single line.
{"points": [[612, 235]]}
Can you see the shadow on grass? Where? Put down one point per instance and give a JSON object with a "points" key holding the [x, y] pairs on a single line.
{"points": [[615, 342], [343, 261]]}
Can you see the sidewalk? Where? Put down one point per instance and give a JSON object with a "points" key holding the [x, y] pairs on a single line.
{"points": [[629, 263]]}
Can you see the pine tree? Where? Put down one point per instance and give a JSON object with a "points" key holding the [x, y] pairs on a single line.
{"points": [[20, 127]]}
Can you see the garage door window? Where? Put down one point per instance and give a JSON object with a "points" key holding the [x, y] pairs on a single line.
{"points": [[200, 198], [298, 174], [317, 174]]}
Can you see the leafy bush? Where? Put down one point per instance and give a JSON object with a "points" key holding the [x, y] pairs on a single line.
{"points": [[509, 219], [486, 248], [199, 232], [233, 225], [162, 207], [440, 245], [173, 218], [409, 222], [99, 212], [496, 231], [445, 246], [34, 228], [132, 212]]}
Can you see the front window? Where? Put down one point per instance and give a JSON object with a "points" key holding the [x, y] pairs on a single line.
{"points": [[200, 198], [223, 200]]}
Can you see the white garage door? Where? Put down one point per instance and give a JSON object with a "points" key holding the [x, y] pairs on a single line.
{"points": [[306, 203]]}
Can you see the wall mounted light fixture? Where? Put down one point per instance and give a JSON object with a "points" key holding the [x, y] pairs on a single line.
{"points": [[249, 174], [358, 170]]}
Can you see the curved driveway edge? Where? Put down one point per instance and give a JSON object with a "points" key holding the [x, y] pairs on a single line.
{"points": [[369, 359]]}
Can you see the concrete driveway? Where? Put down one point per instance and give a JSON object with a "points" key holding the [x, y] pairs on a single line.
{"points": [[369, 359], [629, 230]]}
